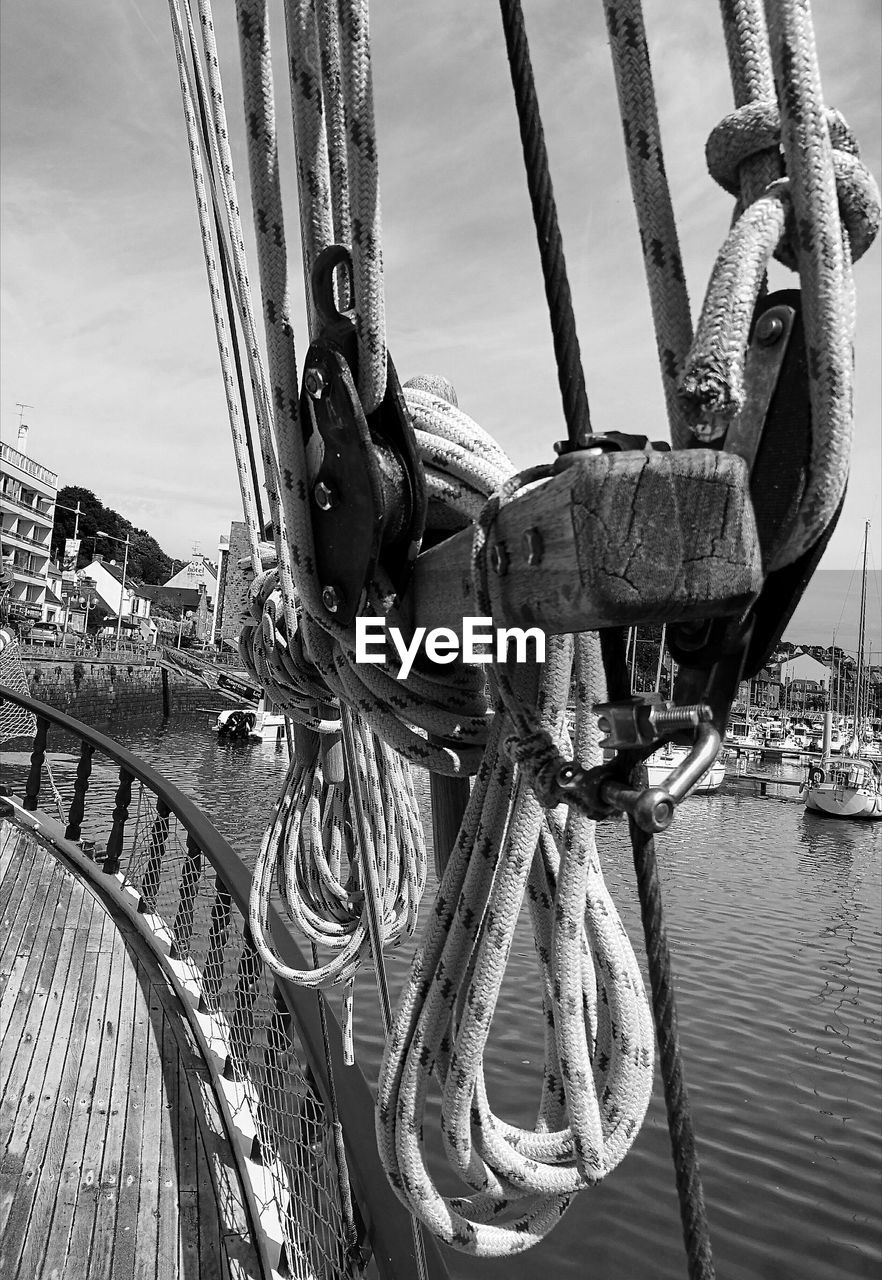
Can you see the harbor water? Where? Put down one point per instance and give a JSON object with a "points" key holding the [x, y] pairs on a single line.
{"points": [[775, 924]]}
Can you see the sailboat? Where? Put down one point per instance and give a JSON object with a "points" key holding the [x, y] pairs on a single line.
{"points": [[849, 785]]}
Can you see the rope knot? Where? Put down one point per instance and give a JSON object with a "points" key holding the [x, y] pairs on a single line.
{"points": [[743, 154], [539, 759]]}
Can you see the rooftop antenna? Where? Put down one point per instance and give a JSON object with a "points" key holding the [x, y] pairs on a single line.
{"points": [[21, 408], [22, 442]]}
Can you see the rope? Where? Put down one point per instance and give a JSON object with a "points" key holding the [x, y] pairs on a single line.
{"points": [[598, 1060], [189, 94], [818, 217], [310, 840], [690, 1194], [789, 169], [659, 243], [557, 289], [513, 844]]}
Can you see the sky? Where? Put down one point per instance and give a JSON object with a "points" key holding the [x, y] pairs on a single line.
{"points": [[106, 323]]}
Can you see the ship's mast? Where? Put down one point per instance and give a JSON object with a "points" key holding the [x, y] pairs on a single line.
{"points": [[861, 640]]}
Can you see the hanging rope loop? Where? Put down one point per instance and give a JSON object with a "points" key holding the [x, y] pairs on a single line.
{"points": [[755, 128]]}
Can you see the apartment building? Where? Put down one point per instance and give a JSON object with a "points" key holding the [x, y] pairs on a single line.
{"points": [[27, 510]]}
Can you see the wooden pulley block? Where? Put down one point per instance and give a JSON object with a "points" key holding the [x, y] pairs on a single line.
{"points": [[612, 539]]}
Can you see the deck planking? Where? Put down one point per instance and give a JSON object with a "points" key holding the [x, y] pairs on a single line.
{"points": [[114, 1162]]}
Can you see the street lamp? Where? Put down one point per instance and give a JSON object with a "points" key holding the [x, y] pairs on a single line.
{"points": [[99, 533], [76, 513]]}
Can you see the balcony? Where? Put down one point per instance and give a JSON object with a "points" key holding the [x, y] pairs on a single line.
{"points": [[12, 535], [22, 462], [42, 512], [27, 575]]}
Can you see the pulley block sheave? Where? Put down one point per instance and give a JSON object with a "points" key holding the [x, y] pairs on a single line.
{"points": [[773, 434], [368, 497]]}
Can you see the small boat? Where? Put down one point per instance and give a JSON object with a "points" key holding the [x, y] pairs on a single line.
{"points": [[844, 788], [742, 733], [247, 722], [660, 764]]}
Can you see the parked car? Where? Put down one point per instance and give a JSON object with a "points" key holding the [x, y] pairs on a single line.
{"points": [[43, 633]]}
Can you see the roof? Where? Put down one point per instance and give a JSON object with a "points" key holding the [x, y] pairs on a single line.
{"points": [[183, 597], [115, 571]]}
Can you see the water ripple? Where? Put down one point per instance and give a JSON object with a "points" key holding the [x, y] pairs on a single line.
{"points": [[775, 921]]}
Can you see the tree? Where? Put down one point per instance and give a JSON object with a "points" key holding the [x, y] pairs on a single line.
{"points": [[147, 560]]}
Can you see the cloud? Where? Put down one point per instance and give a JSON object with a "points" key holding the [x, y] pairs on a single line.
{"points": [[106, 321]]}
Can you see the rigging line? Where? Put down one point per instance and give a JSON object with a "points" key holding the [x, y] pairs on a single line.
{"points": [[375, 925], [197, 168], [570, 374], [228, 299], [344, 1187], [693, 1213], [240, 379], [223, 191]]}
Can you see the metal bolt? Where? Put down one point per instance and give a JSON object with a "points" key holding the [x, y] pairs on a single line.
{"points": [[315, 382], [499, 558], [769, 329], [330, 599], [324, 496], [533, 546], [671, 718]]}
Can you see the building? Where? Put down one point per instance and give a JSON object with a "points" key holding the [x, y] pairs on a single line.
{"points": [[235, 581], [199, 572], [180, 612], [801, 667], [27, 509], [54, 608], [131, 600]]}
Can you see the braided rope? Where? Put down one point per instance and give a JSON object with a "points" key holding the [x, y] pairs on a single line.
{"points": [[662, 261], [310, 842], [818, 218], [598, 1059], [797, 177]]}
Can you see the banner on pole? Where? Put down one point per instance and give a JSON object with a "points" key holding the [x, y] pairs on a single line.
{"points": [[69, 560]]}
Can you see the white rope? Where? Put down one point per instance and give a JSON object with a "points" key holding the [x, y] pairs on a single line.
{"points": [[597, 1077], [310, 841], [789, 168]]}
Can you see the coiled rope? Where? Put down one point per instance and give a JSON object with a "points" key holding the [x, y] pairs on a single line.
{"points": [[598, 1058]]}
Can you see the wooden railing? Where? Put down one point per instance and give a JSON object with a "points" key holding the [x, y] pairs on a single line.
{"points": [[279, 1047]]}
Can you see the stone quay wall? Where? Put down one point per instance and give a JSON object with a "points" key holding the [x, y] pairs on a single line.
{"points": [[99, 691]]}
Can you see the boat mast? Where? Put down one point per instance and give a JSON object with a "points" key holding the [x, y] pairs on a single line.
{"points": [[861, 641]]}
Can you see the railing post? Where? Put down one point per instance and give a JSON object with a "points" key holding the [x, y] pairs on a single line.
{"points": [[155, 855], [81, 786], [242, 1021], [217, 942], [183, 925], [38, 755], [120, 817]]}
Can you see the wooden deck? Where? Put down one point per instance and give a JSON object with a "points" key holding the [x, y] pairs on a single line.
{"points": [[114, 1159]]}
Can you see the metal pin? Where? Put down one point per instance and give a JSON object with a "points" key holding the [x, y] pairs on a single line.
{"points": [[499, 558], [769, 329], [330, 599], [533, 545], [315, 382]]}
